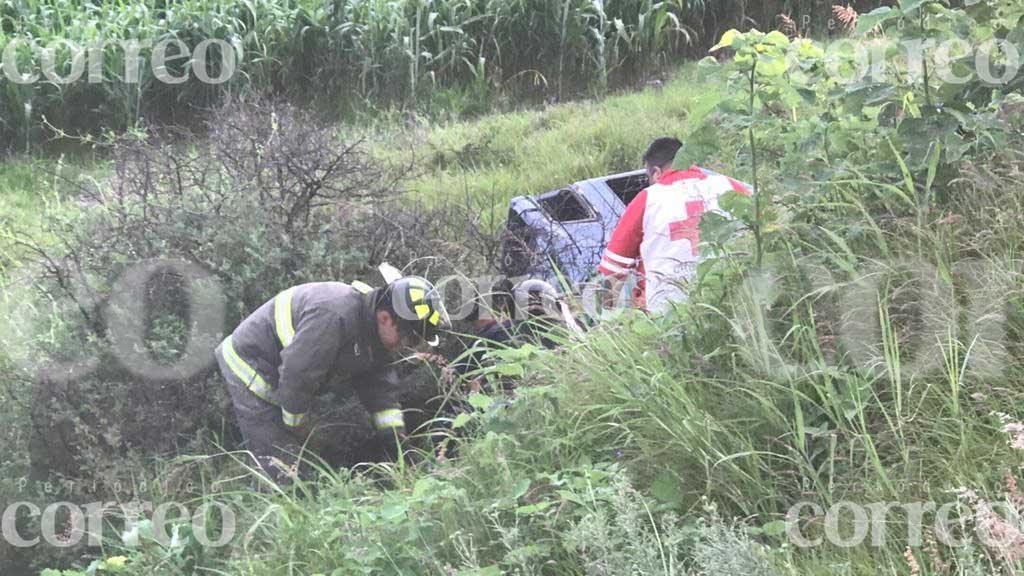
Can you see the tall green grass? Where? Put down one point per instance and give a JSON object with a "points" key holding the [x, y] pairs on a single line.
{"points": [[522, 153], [34, 189], [461, 56], [637, 445], [349, 54], [754, 402]]}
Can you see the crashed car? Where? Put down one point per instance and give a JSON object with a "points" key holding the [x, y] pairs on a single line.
{"points": [[565, 231]]}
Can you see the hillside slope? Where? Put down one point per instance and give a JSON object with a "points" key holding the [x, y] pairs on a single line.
{"points": [[851, 350], [530, 152]]}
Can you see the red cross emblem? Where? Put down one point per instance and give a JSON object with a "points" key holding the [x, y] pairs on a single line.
{"points": [[688, 229]]}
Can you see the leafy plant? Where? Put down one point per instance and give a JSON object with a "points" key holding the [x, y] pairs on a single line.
{"points": [[365, 54], [761, 59]]}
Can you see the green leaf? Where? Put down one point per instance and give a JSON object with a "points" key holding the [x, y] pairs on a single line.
{"points": [[907, 6], [737, 205], [867, 22], [510, 369], [394, 510], [821, 431], [850, 409], [709, 62], [956, 146], [771, 66], [645, 328], [917, 135], [809, 50], [461, 420], [114, 564], [423, 487], [934, 155], [776, 38], [571, 496], [521, 488], [866, 93], [666, 488], [728, 39], [480, 401], [717, 229], [908, 178], [774, 528]]}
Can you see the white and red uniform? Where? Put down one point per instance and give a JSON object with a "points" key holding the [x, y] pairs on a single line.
{"points": [[659, 232]]}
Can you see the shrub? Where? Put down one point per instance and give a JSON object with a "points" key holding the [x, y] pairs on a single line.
{"points": [[179, 244], [624, 538]]}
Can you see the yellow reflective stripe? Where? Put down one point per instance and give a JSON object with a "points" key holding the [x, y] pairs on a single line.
{"points": [[435, 318], [283, 317], [422, 310], [292, 420], [417, 294], [362, 287], [388, 419], [249, 377]]}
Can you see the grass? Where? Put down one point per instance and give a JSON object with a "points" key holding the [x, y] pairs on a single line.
{"points": [[496, 157], [676, 445], [31, 190], [531, 490], [28, 191], [34, 189], [507, 155], [366, 54]]}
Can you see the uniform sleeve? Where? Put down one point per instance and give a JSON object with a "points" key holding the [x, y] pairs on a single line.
{"points": [[307, 362], [380, 392], [623, 251], [739, 187]]}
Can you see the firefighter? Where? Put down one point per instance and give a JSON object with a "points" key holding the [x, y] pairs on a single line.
{"points": [[290, 351], [658, 234], [540, 312]]}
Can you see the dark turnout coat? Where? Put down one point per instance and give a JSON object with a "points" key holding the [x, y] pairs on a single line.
{"points": [[310, 339]]}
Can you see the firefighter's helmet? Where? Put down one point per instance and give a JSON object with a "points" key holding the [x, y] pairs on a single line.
{"points": [[536, 298], [419, 308]]}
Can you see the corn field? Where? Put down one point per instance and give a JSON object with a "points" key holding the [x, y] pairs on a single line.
{"points": [[347, 54]]}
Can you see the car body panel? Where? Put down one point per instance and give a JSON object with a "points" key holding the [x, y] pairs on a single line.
{"points": [[549, 232]]}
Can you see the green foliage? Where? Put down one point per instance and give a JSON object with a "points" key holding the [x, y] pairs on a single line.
{"points": [[268, 201], [33, 188], [355, 54], [896, 129], [502, 156], [888, 210], [112, 565], [762, 59]]}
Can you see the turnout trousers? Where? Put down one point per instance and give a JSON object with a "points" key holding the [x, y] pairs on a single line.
{"points": [[284, 454]]}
